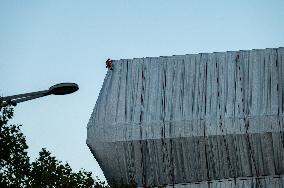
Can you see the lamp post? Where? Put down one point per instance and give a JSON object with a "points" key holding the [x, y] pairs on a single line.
{"points": [[58, 89]]}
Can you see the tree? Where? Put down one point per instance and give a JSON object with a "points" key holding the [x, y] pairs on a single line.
{"points": [[46, 171], [14, 161], [16, 169]]}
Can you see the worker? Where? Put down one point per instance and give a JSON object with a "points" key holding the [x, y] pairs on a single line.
{"points": [[109, 64]]}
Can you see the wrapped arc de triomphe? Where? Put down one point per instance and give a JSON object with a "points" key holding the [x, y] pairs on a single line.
{"points": [[197, 120]]}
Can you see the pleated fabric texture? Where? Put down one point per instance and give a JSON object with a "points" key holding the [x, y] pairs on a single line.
{"points": [[196, 120]]}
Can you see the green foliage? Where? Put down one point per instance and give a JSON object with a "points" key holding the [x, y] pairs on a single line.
{"points": [[16, 169], [114, 184], [14, 161], [100, 184], [46, 171], [6, 111]]}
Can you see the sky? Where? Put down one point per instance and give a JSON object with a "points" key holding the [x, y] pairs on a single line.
{"points": [[46, 42]]}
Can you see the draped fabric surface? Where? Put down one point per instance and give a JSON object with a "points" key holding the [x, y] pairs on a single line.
{"points": [[197, 120]]}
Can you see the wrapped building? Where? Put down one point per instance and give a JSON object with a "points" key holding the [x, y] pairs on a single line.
{"points": [[197, 120]]}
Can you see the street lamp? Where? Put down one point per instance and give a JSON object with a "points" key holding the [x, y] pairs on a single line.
{"points": [[58, 89]]}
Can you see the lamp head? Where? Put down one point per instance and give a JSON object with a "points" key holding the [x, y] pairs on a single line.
{"points": [[63, 88]]}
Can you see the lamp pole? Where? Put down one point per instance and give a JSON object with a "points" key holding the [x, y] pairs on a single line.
{"points": [[58, 89]]}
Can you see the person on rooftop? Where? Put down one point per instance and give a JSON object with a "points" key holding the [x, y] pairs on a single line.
{"points": [[109, 64]]}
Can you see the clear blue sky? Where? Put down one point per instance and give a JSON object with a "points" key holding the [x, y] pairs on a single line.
{"points": [[46, 42]]}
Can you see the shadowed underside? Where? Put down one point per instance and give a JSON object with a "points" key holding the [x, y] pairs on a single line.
{"points": [[200, 120]]}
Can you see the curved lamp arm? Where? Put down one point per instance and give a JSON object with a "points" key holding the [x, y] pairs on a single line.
{"points": [[58, 89]]}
